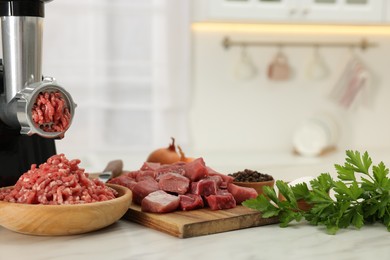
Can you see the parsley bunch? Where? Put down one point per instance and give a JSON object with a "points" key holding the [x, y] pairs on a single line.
{"points": [[360, 197]]}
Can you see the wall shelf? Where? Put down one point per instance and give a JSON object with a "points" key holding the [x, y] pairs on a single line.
{"points": [[363, 44]]}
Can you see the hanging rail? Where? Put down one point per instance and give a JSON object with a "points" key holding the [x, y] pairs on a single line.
{"points": [[363, 44]]}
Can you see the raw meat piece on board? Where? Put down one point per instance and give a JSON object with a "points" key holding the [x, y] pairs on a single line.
{"points": [[124, 181], [195, 170], [150, 166], [191, 201], [216, 202], [160, 202], [174, 182], [204, 187], [144, 188], [241, 194]]}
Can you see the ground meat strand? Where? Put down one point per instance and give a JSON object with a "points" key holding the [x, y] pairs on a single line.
{"points": [[58, 181], [250, 176], [50, 113]]}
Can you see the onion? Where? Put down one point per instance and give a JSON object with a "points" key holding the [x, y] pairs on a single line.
{"points": [[183, 157], [165, 155]]}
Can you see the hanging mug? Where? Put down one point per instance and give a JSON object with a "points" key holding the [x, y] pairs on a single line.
{"points": [[245, 68], [279, 69], [316, 67]]}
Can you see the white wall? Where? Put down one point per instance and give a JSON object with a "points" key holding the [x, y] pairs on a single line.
{"points": [[229, 114], [126, 65]]}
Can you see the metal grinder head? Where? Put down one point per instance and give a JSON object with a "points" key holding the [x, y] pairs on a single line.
{"points": [[21, 69]]}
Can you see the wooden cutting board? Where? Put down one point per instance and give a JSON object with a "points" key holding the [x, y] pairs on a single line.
{"points": [[185, 224]]}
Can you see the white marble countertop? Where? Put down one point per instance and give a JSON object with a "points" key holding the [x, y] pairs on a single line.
{"points": [[128, 240]]}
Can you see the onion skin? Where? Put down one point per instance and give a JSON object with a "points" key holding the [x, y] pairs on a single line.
{"points": [[165, 155], [183, 157]]}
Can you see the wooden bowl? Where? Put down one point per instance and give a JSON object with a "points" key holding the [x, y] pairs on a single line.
{"points": [[57, 220], [258, 186], [302, 204]]}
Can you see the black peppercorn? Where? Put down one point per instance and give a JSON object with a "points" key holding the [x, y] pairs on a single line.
{"points": [[250, 176]]}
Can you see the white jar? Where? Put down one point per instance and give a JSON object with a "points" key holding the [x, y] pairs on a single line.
{"points": [[316, 135]]}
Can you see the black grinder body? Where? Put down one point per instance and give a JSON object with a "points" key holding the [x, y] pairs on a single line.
{"points": [[18, 152]]}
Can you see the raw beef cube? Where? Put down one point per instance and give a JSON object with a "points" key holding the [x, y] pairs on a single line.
{"points": [[174, 182], [150, 166], [241, 194], [148, 174], [160, 202], [143, 188], [217, 179], [176, 168], [131, 174], [195, 170], [191, 201], [124, 181], [223, 192], [204, 187], [225, 178], [216, 202]]}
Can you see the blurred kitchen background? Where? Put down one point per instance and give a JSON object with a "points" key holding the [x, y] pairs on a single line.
{"points": [[143, 71]]}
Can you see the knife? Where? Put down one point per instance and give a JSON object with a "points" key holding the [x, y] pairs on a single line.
{"points": [[113, 169]]}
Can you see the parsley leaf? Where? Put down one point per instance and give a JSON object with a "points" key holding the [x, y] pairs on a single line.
{"points": [[361, 195]]}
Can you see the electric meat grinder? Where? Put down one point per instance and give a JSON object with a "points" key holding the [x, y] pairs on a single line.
{"points": [[34, 110]]}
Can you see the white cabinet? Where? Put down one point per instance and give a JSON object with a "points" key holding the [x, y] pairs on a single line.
{"points": [[387, 12], [343, 11], [243, 10], [319, 11]]}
